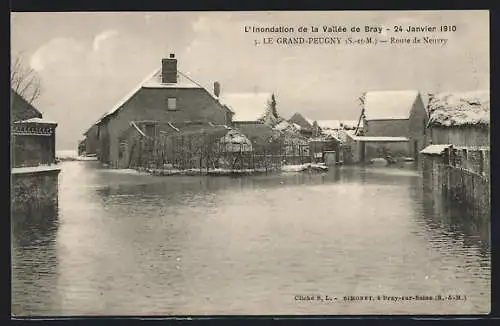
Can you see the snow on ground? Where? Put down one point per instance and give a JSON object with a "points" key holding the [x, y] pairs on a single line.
{"points": [[71, 155], [124, 171], [303, 167]]}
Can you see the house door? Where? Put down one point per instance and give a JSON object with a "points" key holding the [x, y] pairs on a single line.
{"points": [[330, 158]]}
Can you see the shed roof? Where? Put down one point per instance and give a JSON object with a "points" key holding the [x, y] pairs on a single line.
{"points": [[437, 149], [21, 109], [336, 124], [460, 108], [38, 120], [246, 106], [384, 139], [389, 105]]}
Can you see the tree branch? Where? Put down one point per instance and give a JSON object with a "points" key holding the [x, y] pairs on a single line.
{"points": [[24, 80]]}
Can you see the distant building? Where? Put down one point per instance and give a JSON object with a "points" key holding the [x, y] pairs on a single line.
{"points": [[165, 95], [334, 128], [326, 149], [460, 119], [399, 114], [361, 149], [90, 141], [305, 127]]}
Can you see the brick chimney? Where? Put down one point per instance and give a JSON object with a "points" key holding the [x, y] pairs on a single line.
{"points": [[217, 89], [169, 70]]}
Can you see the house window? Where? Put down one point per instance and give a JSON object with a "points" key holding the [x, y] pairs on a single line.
{"points": [[172, 103]]}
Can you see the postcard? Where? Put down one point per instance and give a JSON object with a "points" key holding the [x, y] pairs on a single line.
{"points": [[250, 163]]}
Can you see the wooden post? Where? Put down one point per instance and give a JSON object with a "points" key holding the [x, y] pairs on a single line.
{"points": [[481, 162]]}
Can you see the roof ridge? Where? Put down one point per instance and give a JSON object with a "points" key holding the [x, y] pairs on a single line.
{"points": [[124, 99]]}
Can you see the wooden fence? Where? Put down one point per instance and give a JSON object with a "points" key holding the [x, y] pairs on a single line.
{"points": [[205, 150], [463, 178], [467, 189]]}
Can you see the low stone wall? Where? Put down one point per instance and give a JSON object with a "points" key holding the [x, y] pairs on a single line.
{"points": [[34, 190]]}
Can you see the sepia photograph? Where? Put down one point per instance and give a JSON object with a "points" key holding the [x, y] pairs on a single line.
{"points": [[250, 163]]}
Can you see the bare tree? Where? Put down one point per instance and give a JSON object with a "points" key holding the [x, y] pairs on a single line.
{"points": [[24, 80]]}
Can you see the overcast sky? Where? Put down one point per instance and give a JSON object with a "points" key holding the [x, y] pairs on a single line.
{"points": [[89, 61]]}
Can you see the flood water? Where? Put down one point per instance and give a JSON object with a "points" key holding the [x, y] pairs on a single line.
{"points": [[128, 244]]}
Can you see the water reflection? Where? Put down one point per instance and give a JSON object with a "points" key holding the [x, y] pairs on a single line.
{"points": [[452, 221], [34, 260], [222, 245]]}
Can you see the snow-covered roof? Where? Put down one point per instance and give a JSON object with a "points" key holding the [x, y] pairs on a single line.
{"points": [[437, 149], [282, 125], [124, 99], [335, 133], [37, 120], [35, 169], [380, 139], [323, 138], [153, 80], [389, 105], [352, 123], [234, 136], [285, 125], [337, 124], [20, 108], [302, 122], [182, 82], [458, 109], [328, 124], [246, 106]]}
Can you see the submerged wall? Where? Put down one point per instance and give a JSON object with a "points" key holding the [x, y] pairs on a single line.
{"points": [[34, 189], [463, 177]]}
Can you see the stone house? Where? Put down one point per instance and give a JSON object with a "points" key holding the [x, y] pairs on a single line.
{"points": [[165, 95]]}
